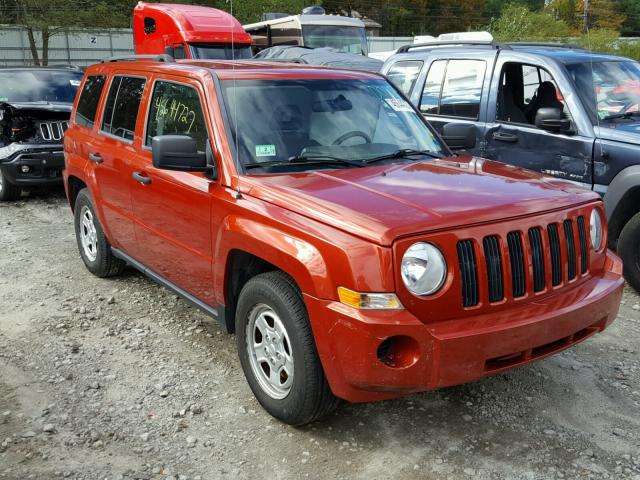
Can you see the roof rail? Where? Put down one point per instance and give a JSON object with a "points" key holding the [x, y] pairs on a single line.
{"points": [[545, 44], [440, 43], [128, 58]]}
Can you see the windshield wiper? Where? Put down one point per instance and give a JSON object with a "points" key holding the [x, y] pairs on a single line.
{"points": [[621, 115], [402, 153], [306, 160]]}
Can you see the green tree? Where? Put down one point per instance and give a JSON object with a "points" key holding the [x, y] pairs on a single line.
{"points": [[518, 23], [600, 14]]}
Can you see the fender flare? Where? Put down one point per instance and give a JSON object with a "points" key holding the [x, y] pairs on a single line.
{"points": [[626, 181], [293, 255]]}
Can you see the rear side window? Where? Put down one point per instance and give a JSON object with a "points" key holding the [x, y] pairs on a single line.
{"points": [[89, 100], [176, 110], [460, 88], [403, 74], [121, 109]]}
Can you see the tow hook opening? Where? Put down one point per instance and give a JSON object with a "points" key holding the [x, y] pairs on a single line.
{"points": [[399, 351]]}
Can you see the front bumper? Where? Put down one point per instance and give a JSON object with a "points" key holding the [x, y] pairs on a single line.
{"points": [[45, 165], [456, 351]]}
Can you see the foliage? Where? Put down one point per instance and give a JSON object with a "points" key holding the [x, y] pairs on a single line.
{"points": [[600, 40], [518, 23], [602, 14]]}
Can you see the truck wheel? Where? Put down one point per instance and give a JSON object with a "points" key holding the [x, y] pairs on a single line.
{"points": [[93, 245], [8, 191], [278, 353], [629, 251]]}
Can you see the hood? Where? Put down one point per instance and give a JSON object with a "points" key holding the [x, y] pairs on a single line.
{"points": [[37, 108], [625, 131], [382, 203]]}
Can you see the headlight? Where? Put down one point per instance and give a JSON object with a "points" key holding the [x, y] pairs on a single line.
{"points": [[595, 229], [423, 269]]}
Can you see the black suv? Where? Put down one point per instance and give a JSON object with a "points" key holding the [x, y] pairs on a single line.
{"points": [[35, 104], [563, 111]]}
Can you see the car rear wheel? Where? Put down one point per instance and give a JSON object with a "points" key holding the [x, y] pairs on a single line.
{"points": [[278, 353], [629, 251], [8, 191], [92, 243]]}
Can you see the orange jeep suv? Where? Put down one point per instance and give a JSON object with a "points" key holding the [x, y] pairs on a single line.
{"points": [[317, 215]]}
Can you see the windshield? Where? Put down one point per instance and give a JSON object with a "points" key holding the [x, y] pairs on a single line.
{"points": [[27, 86], [350, 120], [343, 39], [219, 51], [607, 89]]}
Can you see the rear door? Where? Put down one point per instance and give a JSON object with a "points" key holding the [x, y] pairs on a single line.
{"points": [[173, 209], [510, 134], [452, 90], [111, 151]]}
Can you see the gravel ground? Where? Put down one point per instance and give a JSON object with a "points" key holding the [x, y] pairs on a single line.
{"points": [[120, 379]]}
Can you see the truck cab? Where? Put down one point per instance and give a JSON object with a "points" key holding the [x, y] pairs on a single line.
{"points": [[312, 29], [188, 32], [560, 110]]}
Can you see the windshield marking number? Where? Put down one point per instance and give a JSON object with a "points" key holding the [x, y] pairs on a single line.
{"points": [[177, 111]]}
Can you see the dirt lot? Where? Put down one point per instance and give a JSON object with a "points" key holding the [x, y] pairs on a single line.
{"points": [[119, 379]]}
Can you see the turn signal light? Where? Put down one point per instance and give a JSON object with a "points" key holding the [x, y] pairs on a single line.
{"points": [[369, 301]]}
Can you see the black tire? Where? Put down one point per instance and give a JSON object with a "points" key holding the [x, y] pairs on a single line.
{"points": [[629, 251], [309, 398], [104, 263], [8, 191]]}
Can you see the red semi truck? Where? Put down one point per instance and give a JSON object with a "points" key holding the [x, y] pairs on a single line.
{"points": [[188, 31]]}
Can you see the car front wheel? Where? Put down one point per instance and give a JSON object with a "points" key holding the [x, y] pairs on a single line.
{"points": [[629, 251], [278, 353], [8, 191]]}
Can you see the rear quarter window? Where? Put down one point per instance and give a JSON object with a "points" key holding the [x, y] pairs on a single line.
{"points": [[404, 74], [89, 100]]}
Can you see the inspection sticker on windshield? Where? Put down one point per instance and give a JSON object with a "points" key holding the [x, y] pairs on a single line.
{"points": [[265, 150], [398, 104]]}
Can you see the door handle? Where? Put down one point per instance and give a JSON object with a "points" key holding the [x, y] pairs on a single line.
{"points": [[95, 157], [505, 137], [139, 177]]}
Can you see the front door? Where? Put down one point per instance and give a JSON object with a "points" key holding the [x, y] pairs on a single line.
{"points": [[511, 135], [173, 209]]}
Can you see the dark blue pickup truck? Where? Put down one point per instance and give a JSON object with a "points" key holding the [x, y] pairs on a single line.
{"points": [[560, 110]]}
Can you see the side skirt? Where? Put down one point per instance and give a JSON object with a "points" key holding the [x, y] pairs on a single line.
{"points": [[209, 310]]}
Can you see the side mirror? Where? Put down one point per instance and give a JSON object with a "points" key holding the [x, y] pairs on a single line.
{"points": [[179, 152], [170, 51], [459, 136], [551, 120]]}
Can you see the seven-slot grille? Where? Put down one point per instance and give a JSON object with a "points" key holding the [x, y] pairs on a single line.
{"points": [[53, 130], [514, 250]]}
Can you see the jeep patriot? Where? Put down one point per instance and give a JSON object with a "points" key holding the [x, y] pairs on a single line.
{"points": [[317, 215]]}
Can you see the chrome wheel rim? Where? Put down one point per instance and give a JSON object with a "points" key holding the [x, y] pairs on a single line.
{"points": [[269, 350], [88, 234]]}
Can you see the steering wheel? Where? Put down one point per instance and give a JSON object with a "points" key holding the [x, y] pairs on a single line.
{"points": [[354, 133]]}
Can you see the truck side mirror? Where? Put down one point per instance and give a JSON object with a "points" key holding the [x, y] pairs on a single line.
{"points": [[180, 153], [170, 51], [459, 136], [551, 120]]}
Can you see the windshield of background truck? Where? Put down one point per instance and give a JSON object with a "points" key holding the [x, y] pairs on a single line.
{"points": [[28, 86], [608, 89], [220, 51], [354, 120], [343, 39]]}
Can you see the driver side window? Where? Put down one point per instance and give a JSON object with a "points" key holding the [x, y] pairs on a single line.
{"points": [[176, 110], [524, 89]]}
